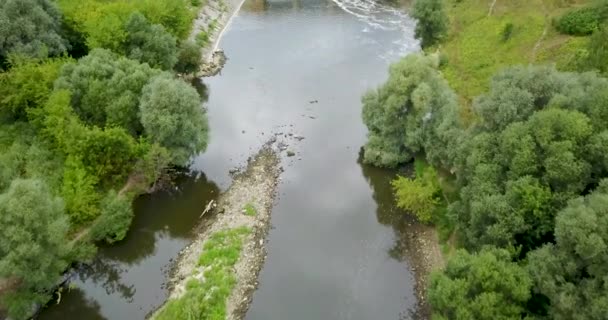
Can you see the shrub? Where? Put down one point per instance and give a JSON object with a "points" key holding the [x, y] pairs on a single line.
{"points": [[419, 195], [189, 57], [507, 32], [579, 22], [115, 218]]}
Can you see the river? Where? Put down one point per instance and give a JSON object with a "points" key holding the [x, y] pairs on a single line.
{"points": [[296, 69]]}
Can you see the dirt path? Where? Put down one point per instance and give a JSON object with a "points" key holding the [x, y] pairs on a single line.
{"points": [[492, 8], [253, 187], [542, 36]]}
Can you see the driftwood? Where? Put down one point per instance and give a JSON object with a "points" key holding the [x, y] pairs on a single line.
{"points": [[208, 208]]}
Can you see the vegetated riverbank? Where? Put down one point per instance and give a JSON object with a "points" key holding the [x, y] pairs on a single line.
{"points": [[226, 256], [209, 25]]}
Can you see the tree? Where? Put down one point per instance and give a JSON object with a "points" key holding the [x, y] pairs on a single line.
{"points": [[108, 154], [33, 243], [115, 218], [540, 141], [413, 110], [172, 116], [27, 85], [79, 192], [420, 195], [105, 89], [149, 43], [432, 23], [189, 57], [573, 272], [30, 28], [484, 285]]}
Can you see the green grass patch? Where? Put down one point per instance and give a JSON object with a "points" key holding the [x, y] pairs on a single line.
{"points": [[206, 300], [202, 38], [250, 210], [479, 45]]}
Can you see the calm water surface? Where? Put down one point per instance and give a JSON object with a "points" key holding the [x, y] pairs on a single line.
{"points": [[296, 68]]}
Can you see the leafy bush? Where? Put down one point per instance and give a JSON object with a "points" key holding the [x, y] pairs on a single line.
{"points": [[579, 22], [596, 54], [27, 85], [202, 38], [189, 57], [115, 219], [79, 192], [420, 195], [507, 32]]}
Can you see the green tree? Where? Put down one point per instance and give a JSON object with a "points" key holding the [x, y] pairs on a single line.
{"points": [[432, 23], [33, 243], [105, 89], [573, 272], [79, 192], [30, 28], [484, 285], [420, 195], [108, 154], [414, 110], [27, 85], [149, 43], [115, 218], [172, 115], [189, 57], [537, 144]]}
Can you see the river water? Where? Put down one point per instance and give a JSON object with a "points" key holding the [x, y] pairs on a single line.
{"points": [[296, 69]]}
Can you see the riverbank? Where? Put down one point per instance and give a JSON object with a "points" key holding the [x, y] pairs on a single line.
{"points": [[210, 24], [423, 248], [239, 221]]}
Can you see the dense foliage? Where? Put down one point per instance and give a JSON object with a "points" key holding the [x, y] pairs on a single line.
{"points": [[105, 89], [481, 286], [579, 22], [420, 195], [149, 43], [414, 110], [528, 160], [171, 115], [596, 53], [573, 271], [432, 23], [539, 141], [33, 243], [82, 136], [31, 28]]}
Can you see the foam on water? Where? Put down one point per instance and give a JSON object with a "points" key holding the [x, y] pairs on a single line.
{"points": [[381, 17]]}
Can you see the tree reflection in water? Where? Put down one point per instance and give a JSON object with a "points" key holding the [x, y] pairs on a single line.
{"points": [[108, 275]]}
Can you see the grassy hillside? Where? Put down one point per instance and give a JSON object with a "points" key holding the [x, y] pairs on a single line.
{"points": [[481, 42]]}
